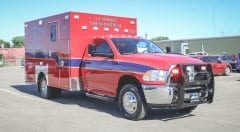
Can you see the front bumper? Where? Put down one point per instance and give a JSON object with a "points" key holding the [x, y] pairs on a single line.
{"points": [[155, 94], [193, 87], [172, 97]]}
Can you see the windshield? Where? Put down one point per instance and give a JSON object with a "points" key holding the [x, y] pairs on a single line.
{"points": [[227, 58], [134, 46]]}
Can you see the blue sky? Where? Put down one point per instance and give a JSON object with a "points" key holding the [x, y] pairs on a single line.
{"points": [[177, 19]]}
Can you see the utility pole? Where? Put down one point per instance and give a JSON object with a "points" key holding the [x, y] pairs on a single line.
{"points": [[203, 50], [213, 21]]}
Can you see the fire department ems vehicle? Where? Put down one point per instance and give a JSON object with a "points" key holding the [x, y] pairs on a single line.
{"points": [[101, 56]]}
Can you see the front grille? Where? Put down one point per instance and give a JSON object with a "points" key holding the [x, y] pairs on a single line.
{"points": [[201, 76], [193, 75], [195, 85]]}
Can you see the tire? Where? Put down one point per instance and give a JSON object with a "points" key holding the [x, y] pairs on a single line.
{"points": [[132, 103], [227, 71], [186, 110], [45, 91]]}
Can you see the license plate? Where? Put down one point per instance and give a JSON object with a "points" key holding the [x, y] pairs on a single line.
{"points": [[193, 97]]}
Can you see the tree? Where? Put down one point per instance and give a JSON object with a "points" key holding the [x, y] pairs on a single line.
{"points": [[4, 43], [160, 38], [18, 42]]}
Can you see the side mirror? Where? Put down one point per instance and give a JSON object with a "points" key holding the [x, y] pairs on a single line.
{"points": [[219, 61], [91, 49], [168, 49]]}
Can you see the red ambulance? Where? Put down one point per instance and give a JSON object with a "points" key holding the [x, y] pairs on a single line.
{"points": [[102, 56]]}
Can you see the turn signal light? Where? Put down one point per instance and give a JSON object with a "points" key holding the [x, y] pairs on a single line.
{"points": [[176, 75], [175, 71], [203, 68]]}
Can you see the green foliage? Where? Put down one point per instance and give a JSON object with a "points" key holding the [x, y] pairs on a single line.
{"points": [[18, 42], [160, 38], [5, 44]]}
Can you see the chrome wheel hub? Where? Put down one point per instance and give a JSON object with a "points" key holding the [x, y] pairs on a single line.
{"points": [[129, 102]]}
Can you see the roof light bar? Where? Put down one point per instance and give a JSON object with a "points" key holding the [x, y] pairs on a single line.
{"points": [[40, 22], [76, 16], [132, 22], [66, 17], [116, 29], [106, 29], [84, 27], [95, 28]]}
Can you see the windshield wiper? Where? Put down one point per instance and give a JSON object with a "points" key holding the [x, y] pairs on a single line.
{"points": [[129, 53], [156, 52]]}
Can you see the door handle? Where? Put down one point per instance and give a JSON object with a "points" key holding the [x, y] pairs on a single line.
{"points": [[62, 63]]}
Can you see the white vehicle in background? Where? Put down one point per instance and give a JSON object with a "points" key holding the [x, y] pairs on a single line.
{"points": [[198, 53]]}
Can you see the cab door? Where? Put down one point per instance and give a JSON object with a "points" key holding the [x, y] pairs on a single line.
{"points": [[99, 71]]}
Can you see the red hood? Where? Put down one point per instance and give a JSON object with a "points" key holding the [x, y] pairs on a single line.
{"points": [[160, 61]]}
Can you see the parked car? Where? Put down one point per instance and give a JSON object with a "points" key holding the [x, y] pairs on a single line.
{"points": [[175, 53], [218, 67], [228, 58], [238, 63], [198, 53]]}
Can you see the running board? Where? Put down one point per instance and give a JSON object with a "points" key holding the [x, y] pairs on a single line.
{"points": [[100, 97]]}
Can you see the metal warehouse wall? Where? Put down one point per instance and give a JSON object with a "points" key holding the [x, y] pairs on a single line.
{"points": [[175, 45], [211, 45]]}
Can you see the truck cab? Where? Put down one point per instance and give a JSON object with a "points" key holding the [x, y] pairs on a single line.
{"points": [[146, 77]]}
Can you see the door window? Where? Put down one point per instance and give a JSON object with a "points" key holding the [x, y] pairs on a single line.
{"points": [[102, 47]]}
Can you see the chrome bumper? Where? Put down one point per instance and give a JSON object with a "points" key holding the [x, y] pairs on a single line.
{"points": [[155, 94]]}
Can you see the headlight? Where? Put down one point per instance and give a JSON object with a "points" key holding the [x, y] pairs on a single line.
{"points": [[155, 75]]}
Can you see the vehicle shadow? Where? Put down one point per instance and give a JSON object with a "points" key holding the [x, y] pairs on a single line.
{"points": [[80, 99], [166, 115]]}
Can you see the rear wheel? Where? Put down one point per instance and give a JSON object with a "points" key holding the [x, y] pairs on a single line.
{"points": [[45, 91], [227, 71], [131, 103]]}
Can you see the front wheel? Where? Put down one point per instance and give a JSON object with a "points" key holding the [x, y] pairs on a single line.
{"points": [[227, 71], [131, 103]]}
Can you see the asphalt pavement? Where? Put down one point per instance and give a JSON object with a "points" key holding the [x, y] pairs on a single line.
{"points": [[22, 110]]}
